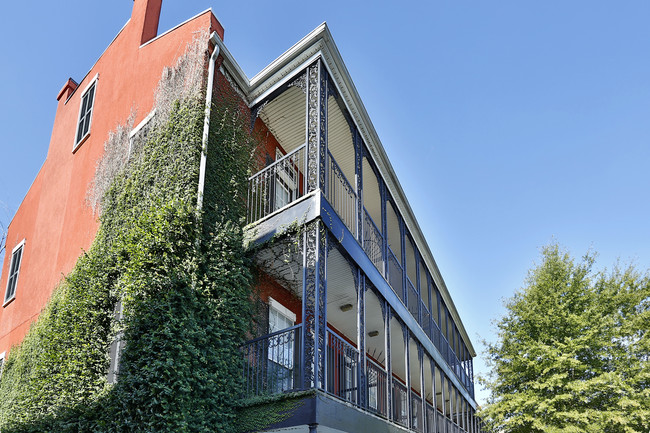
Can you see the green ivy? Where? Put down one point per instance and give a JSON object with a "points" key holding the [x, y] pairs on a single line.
{"points": [[257, 414], [184, 280]]}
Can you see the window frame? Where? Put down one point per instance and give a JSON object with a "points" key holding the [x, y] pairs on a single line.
{"points": [[280, 359], [143, 126], [78, 141], [115, 350], [286, 182], [284, 311], [20, 246]]}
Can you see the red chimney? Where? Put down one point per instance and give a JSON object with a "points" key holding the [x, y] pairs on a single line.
{"points": [[67, 89], [145, 16]]}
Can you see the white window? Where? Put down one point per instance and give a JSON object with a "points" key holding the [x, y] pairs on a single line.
{"points": [[85, 112], [281, 348], [139, 134], [14, 270], [3, 355], [116, 346], [280, 317], [286, 182]]}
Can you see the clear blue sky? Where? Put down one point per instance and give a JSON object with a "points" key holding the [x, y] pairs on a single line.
{"points": [[509, 123]]}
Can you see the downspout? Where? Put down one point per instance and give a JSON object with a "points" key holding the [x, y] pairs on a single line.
{"points": [[206, 120]]}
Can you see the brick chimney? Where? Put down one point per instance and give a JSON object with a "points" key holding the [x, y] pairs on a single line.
{"points": [[145, 17], [67, 89]]}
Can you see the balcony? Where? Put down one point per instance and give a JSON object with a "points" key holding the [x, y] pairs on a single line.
{"points": [[272, 365]]}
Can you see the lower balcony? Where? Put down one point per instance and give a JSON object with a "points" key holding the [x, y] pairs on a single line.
{"points": [[272, 365]]}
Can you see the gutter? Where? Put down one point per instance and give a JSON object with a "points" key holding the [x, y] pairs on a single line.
{"points": [[206, 121]]}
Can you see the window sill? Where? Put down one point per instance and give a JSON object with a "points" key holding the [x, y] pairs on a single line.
{"points": [[82, 141], [9, 301]]}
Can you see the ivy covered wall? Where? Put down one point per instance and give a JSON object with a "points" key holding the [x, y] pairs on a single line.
{"points": [[181, 275]]}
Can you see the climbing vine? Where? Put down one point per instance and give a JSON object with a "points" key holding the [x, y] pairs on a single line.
{"points": [[259, 413], [181, 275]]}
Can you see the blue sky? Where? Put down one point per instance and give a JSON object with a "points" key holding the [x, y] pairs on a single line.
{"points": [[509, 123]]}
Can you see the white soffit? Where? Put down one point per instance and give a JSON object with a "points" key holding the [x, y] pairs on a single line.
{"points": [[285, 118]]}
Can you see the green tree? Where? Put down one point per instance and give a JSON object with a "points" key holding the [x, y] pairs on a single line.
{"points": [[572, 351]]}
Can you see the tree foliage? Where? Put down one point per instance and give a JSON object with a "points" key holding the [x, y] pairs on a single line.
{"points": [[572, 351]]}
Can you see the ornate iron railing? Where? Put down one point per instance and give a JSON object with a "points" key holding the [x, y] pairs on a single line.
{"points": [[444, 348], [342, 368], [341, 195], [441, 423], [413, 299], [395, 275], [377, 387], [436, 335], [416, 413], [431, 418], [400, 403], [272, 363], [447, 353], [277, 185], [373, 243], [425, 320]]}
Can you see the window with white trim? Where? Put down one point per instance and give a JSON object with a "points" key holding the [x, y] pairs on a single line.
{"points": [[286, 182], [14, 270], [281, 347], [85, 113], [116, 346], [3, 355], [139, 134], [280, 317]]}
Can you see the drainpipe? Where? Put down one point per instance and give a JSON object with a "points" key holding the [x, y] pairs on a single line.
{"points": [[206, 121]]}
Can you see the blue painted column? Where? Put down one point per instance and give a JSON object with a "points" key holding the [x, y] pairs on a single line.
{"points": [[432, 365], [402, 240], [407, 358], [423, 395], [418, 287], [316, 126], [387, 315], [314, 305], [314, 237], [384, 226], [358, 171], [361, 329]]}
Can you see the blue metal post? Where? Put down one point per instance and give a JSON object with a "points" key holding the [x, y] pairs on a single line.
{"points": [[361, 327], [314, 304]]}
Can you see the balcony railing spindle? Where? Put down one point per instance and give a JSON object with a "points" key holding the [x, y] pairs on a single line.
{"points": [[277, 185], [342, 368]]}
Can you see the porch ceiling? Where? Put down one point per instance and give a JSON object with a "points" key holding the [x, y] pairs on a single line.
{"points": [[285, 116], [282, 260], [339, 140], [340, 292]]}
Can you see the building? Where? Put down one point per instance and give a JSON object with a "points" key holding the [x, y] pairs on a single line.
{"points": [[352, 303]]}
